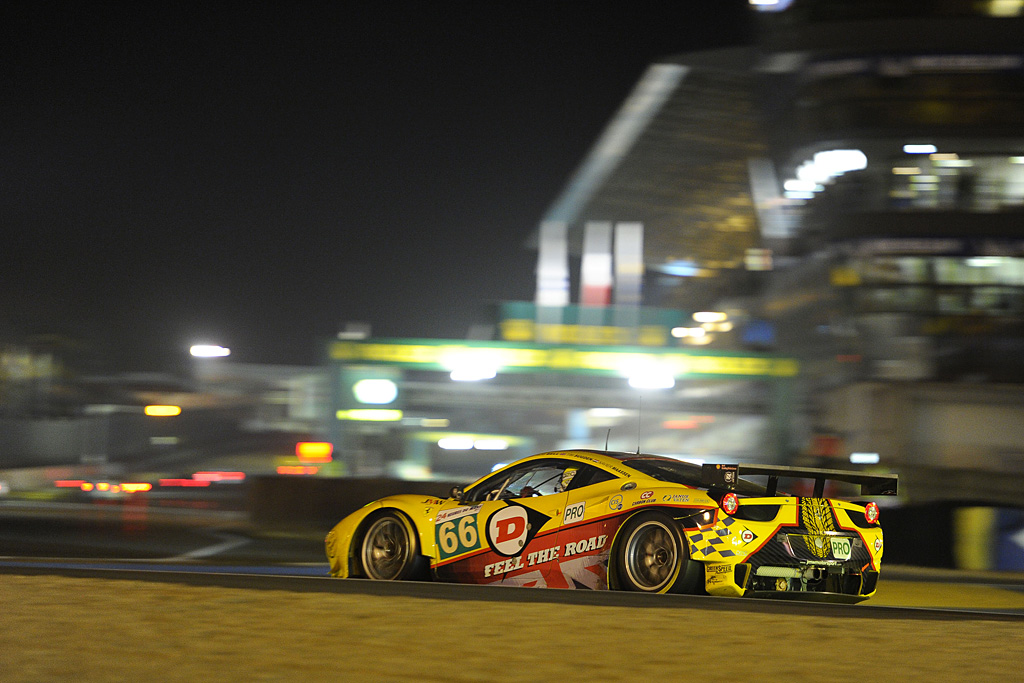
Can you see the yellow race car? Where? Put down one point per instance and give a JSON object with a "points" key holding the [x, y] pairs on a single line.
{"points": [[601, 520]]}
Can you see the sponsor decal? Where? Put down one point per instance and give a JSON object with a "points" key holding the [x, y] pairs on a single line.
{"points": [[505, 566], [574, 513], [584, 546], [642, 502], [455, 513], [878, 544], [433, 501], [507, 530], [747, 536], [676, 498], [717, 573], [646, 494], [542, 556], [615, 503]]}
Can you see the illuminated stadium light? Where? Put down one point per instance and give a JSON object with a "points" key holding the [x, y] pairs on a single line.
{"points": [[864, 458], [794, 185], [456, 443], [985, 261], [920, 149], [770, 5], [375, 391], [471, 365], [1006, 8], [473, 374], [652, 380], [370, 415], [162, 411], [209, 351], [709, 317], [906, 170], [490, 445], [830, 164]]}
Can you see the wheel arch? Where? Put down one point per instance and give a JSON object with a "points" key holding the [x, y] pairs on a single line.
{"points": [[673, 515], [354, 548]]}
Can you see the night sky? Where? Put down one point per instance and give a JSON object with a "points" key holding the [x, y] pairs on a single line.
{"points": [[255, 175]]}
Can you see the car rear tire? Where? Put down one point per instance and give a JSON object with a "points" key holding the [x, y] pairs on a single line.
{"points": [[651, 556], [390, 549]]}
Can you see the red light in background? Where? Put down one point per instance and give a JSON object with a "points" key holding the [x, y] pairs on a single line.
{"points": [[69, 483], [691, 422], [297, 469], [219, 476], [314, 451], [136, 487], [184, 482]]}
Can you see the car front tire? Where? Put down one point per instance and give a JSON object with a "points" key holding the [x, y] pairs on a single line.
{"points": [[390, 549]]}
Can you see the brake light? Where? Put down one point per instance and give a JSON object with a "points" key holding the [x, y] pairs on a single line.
{"points": [[730, 503], [871, 513]]}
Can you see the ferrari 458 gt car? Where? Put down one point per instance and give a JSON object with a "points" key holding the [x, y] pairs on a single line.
{"points": [[600, 520]]}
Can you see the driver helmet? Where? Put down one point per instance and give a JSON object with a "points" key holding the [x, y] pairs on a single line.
{"points": [[567, 476]]}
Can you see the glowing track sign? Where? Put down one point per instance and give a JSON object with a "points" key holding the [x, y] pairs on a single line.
{"points": [[610, 361]]}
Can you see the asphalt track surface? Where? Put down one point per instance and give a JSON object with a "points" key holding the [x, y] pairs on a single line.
{"points": [[312, 578]]}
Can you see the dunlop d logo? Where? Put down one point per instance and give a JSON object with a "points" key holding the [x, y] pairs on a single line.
{"points": [[816, 516]]}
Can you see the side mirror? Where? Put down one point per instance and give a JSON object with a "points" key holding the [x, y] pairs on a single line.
{"points": [[457, 493]]}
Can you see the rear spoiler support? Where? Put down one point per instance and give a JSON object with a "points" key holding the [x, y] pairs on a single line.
{"points": [[727, 476]]}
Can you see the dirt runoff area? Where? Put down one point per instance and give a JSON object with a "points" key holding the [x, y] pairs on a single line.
{"points": [[63, 629]]}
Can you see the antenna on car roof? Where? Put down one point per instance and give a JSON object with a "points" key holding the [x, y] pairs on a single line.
{"points": [[606, 437]]}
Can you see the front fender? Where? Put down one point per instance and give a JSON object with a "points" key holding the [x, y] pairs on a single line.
{"points": [[419, 509]]}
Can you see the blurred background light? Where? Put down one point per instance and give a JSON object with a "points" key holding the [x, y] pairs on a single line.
{"points": [[375, 391], [314, 451], [209, 351], [864, 458], [920, 149], [456, 443], [770, 5], [709, 317], [370, 415], [162, 411], [490, 444]]}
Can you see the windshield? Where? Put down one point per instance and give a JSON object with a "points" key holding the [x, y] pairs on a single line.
{"points": [[679, 472]]}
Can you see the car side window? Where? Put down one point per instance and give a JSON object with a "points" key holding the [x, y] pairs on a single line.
{"points": [[589, 475], [537, 478]]}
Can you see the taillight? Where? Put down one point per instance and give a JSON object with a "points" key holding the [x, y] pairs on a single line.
{"points": [[730, 503], [871, 513]]}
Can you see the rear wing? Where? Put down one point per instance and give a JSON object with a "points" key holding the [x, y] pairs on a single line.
{"points": [[727, 476]]}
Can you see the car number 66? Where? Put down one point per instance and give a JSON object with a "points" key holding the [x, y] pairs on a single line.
{"points": [[453, 540]]}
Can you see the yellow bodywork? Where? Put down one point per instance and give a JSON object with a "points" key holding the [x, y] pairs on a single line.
{"points": [[586, 521]]}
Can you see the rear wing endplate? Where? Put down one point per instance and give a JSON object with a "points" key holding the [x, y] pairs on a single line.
{"points": [[727, 476]]}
